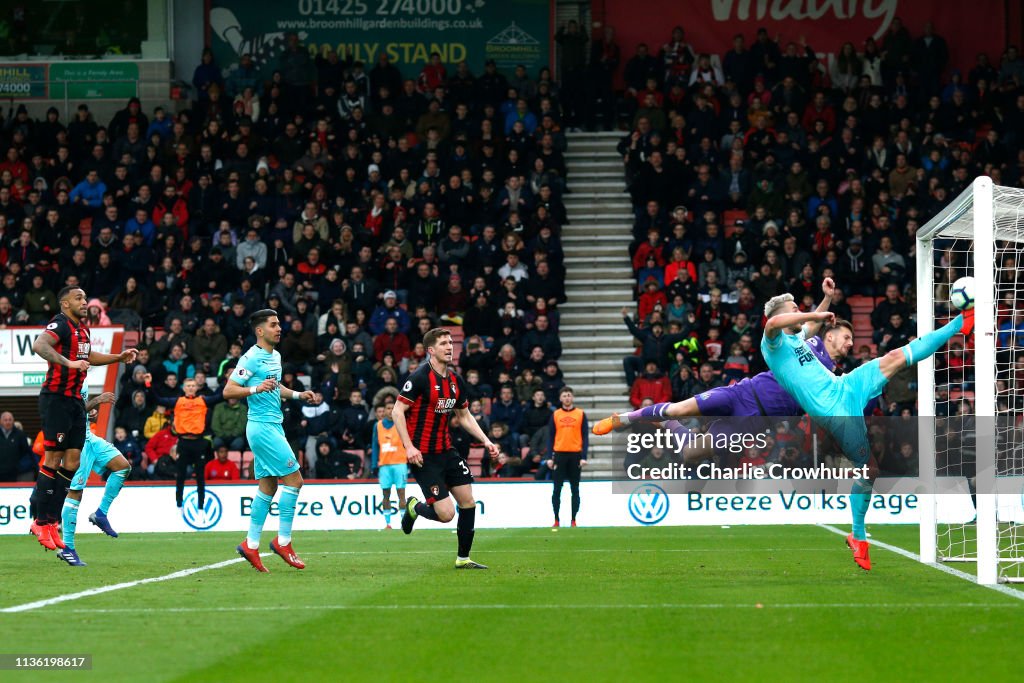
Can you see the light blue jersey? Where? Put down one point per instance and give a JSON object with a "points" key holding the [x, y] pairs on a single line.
{"points": [[96, 453], [273, 456], [253, 367], [837, 402]]}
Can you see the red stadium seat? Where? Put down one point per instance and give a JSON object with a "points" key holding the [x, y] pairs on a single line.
{"points": [[475, 461]]}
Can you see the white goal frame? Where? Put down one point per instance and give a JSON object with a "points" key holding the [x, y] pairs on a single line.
{"points": [[978, 199]]}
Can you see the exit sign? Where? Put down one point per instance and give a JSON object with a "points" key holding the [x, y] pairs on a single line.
{"points": [[32, 379]]}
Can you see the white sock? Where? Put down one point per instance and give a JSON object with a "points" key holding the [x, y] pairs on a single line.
{"points": [[623, 419], [252, 545], [283, 540], [460, 559]]}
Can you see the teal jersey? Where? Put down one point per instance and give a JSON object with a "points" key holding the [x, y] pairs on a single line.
{"points": [[800, 373], [253, 367]]}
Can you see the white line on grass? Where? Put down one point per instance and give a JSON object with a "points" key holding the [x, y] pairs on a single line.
{"points": [[999, 588], [500, 606], [28, 606], [568, 550]]}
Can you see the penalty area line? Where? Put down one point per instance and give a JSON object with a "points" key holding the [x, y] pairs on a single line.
{"points": [[38, 604], [543, 607], [999, 588]]}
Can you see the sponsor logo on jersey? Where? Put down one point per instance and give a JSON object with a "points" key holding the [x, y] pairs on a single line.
{"points": [[444, 405], [60, 437]]}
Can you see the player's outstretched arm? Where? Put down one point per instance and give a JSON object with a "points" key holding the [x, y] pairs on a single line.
{"points": [[784, 320], [828, 288], [95, 401], [126, 356]]}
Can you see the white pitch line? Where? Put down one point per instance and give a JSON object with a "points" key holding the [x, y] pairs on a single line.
{"points": [[494, 551], [999, 588], [28, 606], [500, 606]]}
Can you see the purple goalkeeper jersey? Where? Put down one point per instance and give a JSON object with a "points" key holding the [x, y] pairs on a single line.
{"points": [[741, 399]]}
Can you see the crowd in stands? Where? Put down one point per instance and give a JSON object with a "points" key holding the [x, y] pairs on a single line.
{"points": [[763, 170], [366, 208]]}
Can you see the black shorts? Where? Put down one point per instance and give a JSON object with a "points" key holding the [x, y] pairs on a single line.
{"points": [[64, 422], [440, 473]]}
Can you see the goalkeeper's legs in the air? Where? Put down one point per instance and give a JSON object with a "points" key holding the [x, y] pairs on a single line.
{"points": [[652, 413]]}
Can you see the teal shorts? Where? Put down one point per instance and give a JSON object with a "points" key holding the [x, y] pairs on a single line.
{"points": [[272, 454], [846, 423], [393, 475], [96, 455]]}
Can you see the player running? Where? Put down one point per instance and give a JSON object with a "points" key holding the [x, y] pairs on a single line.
{"points": [[755, 396], [428, 398], [257, 378], [389, 453], [66, 347], [838, 402], [98, 456]]}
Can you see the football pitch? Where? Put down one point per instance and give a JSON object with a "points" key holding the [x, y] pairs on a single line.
{"points": [[595, 604]]}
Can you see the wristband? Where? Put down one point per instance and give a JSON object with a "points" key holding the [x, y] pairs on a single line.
{"points": [[296, 396], [252, 390]]}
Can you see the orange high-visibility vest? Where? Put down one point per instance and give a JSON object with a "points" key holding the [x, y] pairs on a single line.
{"points": [[190, 415], [392, 452], [568, 430]]}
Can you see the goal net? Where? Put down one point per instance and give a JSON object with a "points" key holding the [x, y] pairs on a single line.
{"points": [[971, 393]]}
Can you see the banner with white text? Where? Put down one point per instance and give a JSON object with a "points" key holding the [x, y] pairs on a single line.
{"points": [[142, 509], [408, 31]]}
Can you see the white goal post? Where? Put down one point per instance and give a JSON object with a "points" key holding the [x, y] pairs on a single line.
{"points": [[974, 450]]}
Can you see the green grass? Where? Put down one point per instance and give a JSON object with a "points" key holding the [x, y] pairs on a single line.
{"points": [[693, 603]]}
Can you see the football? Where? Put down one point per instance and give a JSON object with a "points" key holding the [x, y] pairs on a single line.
{"points": [[961, 294]]}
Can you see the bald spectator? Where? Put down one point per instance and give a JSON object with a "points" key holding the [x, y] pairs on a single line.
{"points": [[15, 449]]}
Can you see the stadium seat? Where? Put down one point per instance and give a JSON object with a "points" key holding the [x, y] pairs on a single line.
{"points": [[246, 466], [475, 461], [486, 401], [131, 338], [236, 457], [85, 230]]}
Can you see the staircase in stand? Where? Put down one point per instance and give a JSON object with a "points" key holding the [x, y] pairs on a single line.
{"points": [[599, 283]]}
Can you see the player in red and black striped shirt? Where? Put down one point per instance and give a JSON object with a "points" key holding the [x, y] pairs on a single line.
{"points": [[421, 415], [66, 346]]}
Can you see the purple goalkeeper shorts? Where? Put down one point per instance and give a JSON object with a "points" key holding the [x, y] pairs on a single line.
{"points": [[735, 400]]}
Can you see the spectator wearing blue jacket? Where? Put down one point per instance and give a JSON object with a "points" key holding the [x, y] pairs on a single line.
{"points": [[389, 309], [141, 224], [161, 125], [89, 193], [521, 113]]}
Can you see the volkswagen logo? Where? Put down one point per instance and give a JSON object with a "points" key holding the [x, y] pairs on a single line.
{"points": [[212, 508], [648, 504]]}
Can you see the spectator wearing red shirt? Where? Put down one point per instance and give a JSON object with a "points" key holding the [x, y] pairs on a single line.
{"points": [[652, 246], [651, 297], [160, 445], [14, 164], [222, 469], [391, 340], [652, 384], [678, 261], [433, 75]]}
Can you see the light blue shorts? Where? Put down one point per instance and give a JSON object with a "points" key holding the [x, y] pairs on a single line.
{"points": [[846, 423], [393, 475], [272, 454], [96, 454]]}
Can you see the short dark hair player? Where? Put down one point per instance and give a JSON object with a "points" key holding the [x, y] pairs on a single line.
{"points": [[65, 345], [428, 398]]}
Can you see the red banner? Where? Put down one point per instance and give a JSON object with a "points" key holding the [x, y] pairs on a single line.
{"points": [[968, 27]]}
